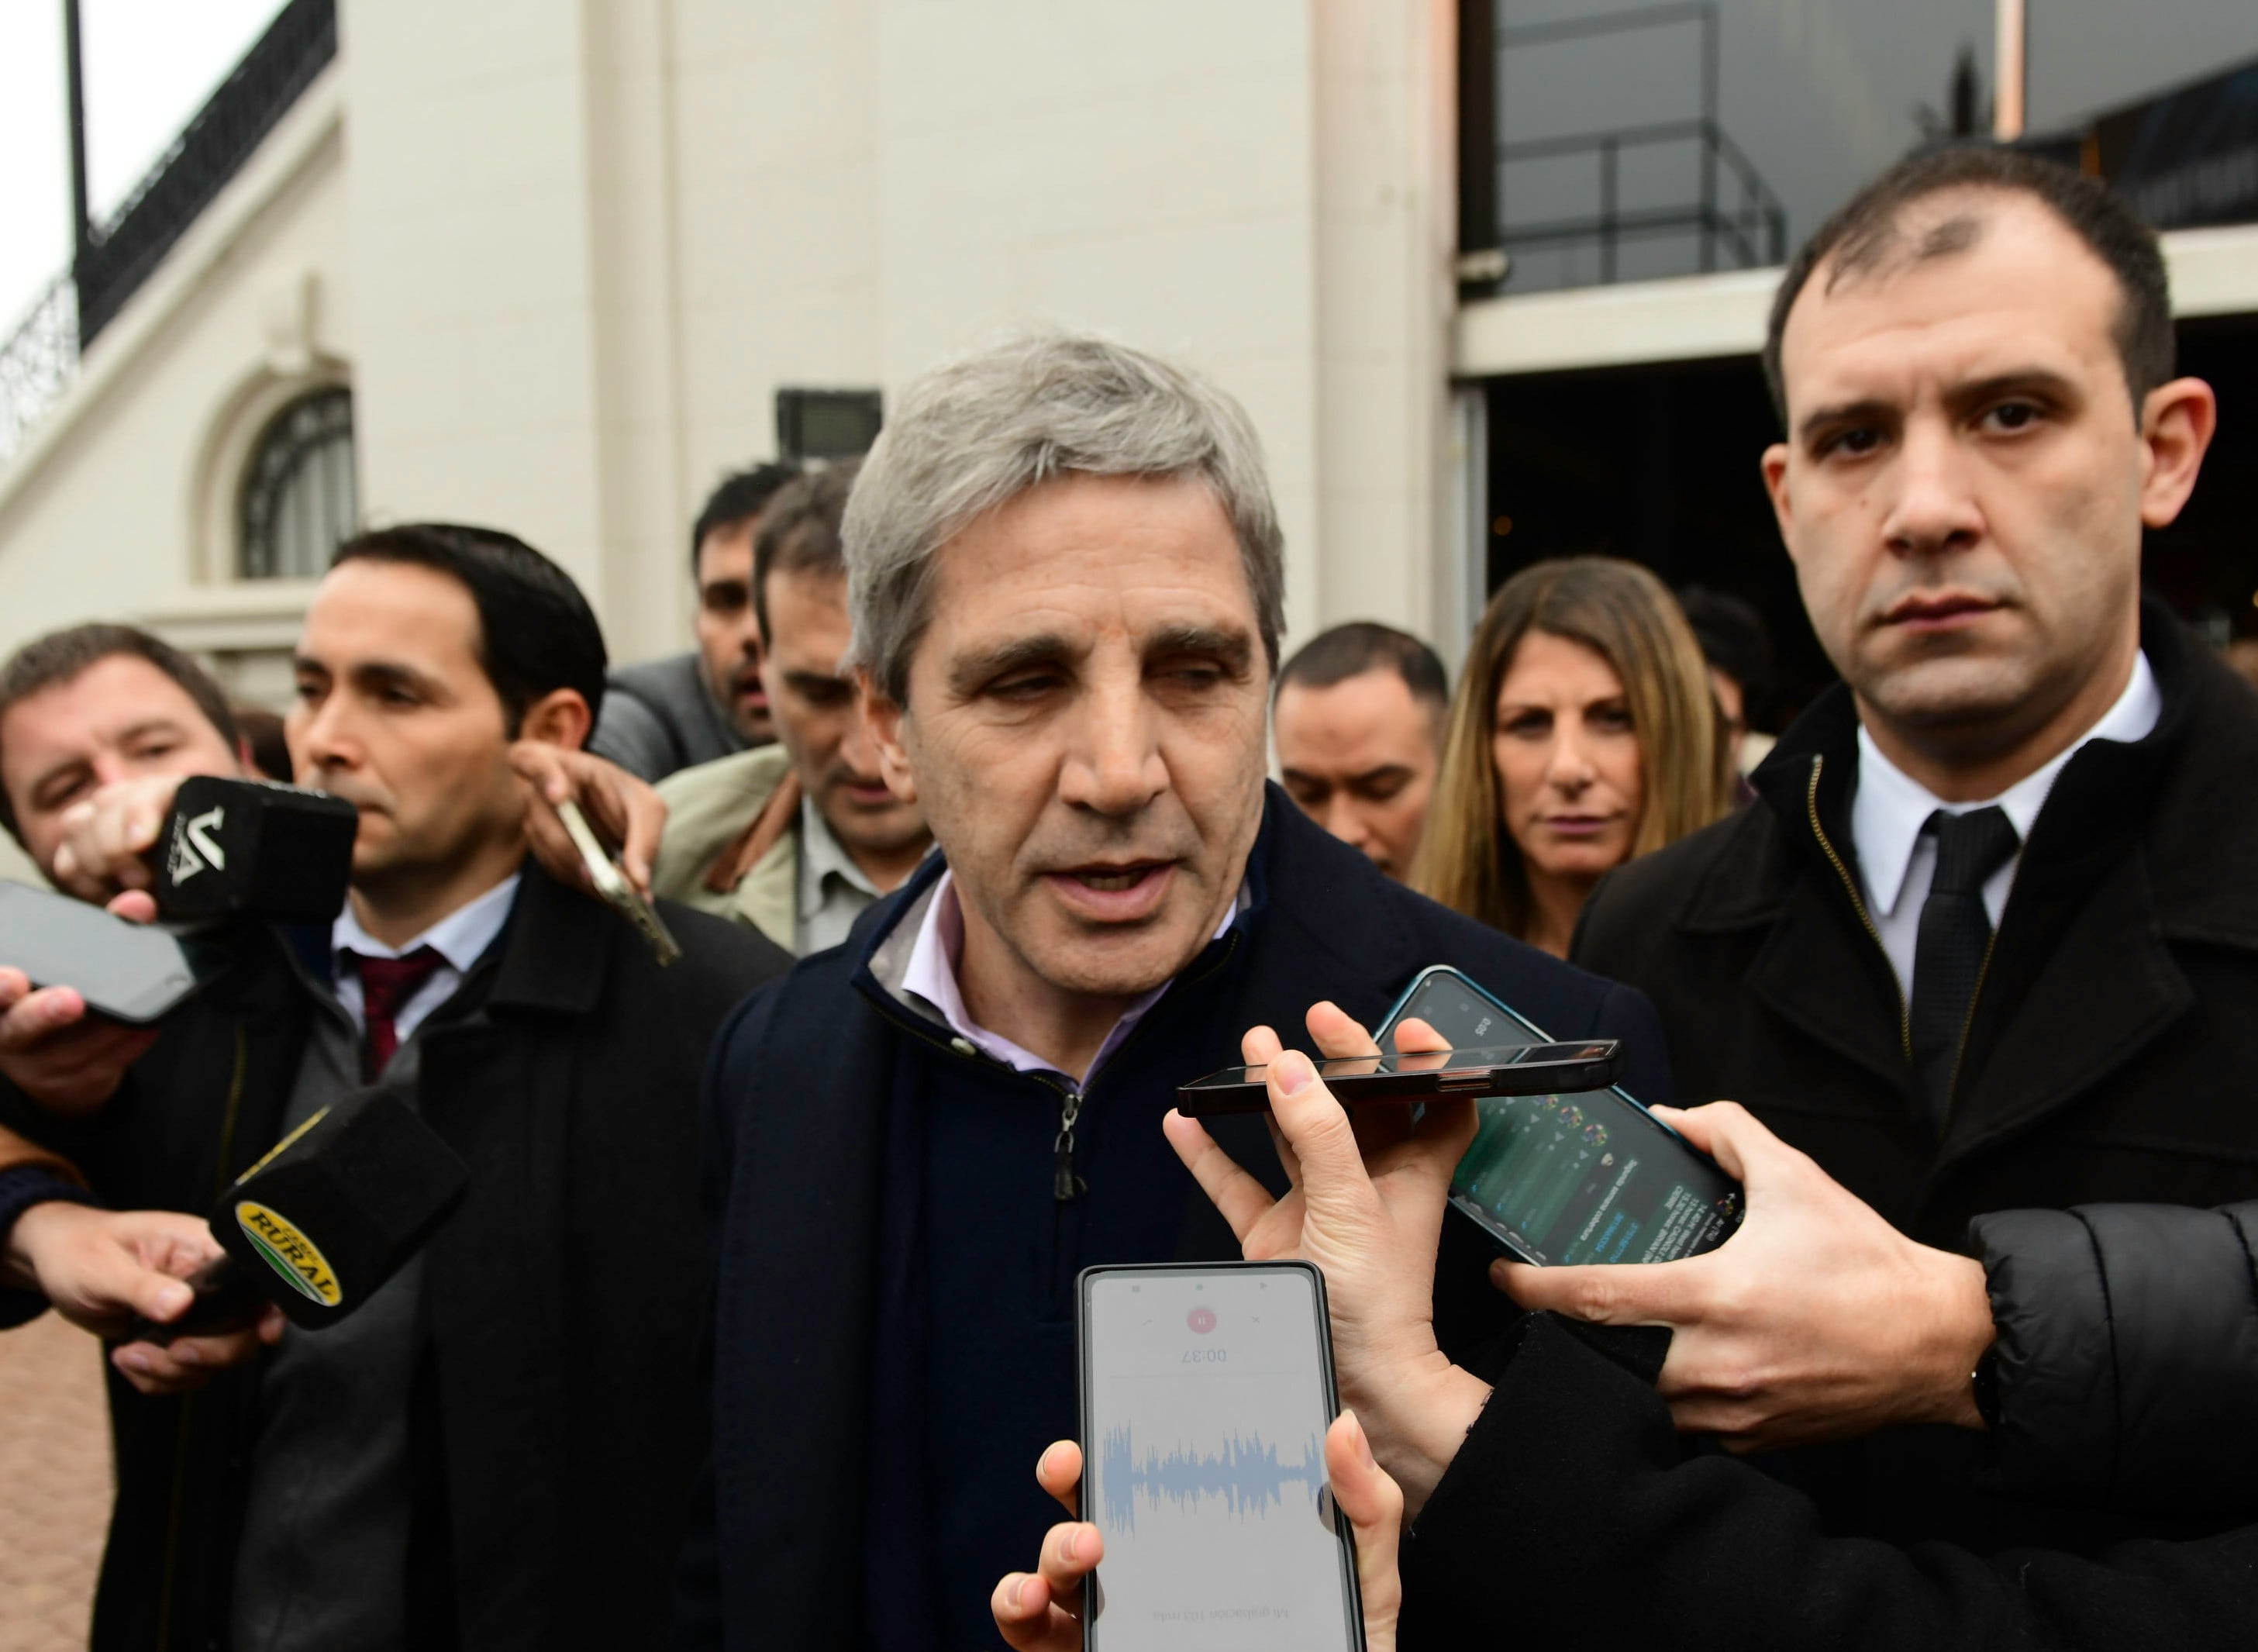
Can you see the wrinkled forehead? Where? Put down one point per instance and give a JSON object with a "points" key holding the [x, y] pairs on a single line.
{"points": [[1082, 557], [1962, 282]]}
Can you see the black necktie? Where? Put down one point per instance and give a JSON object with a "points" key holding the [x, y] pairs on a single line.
{"points": [[1956, 932]]}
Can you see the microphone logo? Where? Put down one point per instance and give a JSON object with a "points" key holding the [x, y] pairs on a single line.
{"points": [[194, 839], [289, 1253]]}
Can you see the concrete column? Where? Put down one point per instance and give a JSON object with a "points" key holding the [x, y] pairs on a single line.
{"points": [[1386, 222], [497, 154]]}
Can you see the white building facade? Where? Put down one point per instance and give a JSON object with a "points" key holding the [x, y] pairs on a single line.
{"points": [[562, 254]]}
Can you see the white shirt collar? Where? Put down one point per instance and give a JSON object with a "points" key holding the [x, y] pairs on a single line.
{"points": [[931, 974], [1891, 806], [461, 937]]}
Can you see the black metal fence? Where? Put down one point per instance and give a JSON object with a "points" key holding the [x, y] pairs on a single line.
{"points": [[37, 361], [1725, 208], [116, 256], [40, 357], [1749, 229]]}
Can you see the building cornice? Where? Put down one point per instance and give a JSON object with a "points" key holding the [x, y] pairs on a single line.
{"points": [[2214, 272]]}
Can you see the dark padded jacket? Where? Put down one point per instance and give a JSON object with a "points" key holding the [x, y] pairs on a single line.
{"points": [[2127, 1356], [2110, 1051], [1573, 1517]]}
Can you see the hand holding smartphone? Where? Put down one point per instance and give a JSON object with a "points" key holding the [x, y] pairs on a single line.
{"points": [[1580, 1174], [130, 973], [612, 885], [1206, 1392]]}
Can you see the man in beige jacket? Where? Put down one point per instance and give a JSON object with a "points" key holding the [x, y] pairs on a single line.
{"points": [[797, 839]]}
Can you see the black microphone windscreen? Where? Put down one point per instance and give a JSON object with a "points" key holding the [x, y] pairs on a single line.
{"points": [[250, 848], [339, 1204]]}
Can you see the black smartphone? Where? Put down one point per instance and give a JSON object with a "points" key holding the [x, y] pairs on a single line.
{"points": [[1397, 1076], [132, 972], [1206, 1392], [1582, 1175]]}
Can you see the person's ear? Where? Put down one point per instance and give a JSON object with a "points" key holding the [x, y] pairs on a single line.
{"points": [[1774, 464], [882, 717], [2176, 422], [559, 718]]}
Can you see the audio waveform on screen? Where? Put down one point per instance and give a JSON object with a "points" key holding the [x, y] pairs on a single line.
{"points": [[1246, 1475]]}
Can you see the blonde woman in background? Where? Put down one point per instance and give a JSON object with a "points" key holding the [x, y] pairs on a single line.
{"points": [[1584, 732]]}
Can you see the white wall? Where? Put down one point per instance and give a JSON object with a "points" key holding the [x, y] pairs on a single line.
{"points": [[584, 243]]}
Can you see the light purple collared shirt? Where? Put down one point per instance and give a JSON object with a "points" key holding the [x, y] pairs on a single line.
{"points": [[931, 973]]}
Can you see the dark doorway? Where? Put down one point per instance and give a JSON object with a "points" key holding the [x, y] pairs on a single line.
{"points": [[1659, 464], [2206, 564]]}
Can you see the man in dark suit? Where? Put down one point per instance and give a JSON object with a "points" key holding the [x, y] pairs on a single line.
{"points": [[494, 1451], [1986, 942], [1065, 580]]}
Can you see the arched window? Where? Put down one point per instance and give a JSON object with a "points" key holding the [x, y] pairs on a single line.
{"points": [[298, 500]]}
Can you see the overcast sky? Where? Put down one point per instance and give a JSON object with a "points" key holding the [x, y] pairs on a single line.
{"points": [[149, 64]]}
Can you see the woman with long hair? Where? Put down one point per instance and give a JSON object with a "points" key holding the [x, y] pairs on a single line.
{"points": [[1584, 732]]}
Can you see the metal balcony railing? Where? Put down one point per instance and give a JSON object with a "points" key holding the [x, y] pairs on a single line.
{"points": [[1722, 204], [38, 360], [1752, 229]]}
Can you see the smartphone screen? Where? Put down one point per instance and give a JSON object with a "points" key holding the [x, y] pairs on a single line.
{"points": [[1588, 1176], [1206, 1393], [128, 971]]}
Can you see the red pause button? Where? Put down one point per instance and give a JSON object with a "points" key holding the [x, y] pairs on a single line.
{"points": [[1201, 1320]]}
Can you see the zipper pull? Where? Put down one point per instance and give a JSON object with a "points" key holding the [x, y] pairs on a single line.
{"points": [[1066, 1186]]}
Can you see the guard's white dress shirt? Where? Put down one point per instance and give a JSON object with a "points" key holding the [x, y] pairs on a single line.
{"points": [[1897, 859]]}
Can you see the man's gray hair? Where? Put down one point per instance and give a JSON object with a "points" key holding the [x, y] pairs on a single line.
{"points": [[974, 433]]}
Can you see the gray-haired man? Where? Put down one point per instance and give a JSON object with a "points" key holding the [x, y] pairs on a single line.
{"points": [[1066, 580]]}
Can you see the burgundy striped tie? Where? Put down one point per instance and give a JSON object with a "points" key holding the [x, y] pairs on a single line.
{"points": [[387, 984]]}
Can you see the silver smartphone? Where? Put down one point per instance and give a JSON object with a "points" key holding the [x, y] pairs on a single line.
{"points": [[611, 883], [1206, 1392]]}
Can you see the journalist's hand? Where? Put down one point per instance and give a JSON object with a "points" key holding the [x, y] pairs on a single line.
{"points": [[1817, 1320], [99, 1268], [1366, 1205], [52, 1050], [1040, 1611], [106, 835], [625, 810]]}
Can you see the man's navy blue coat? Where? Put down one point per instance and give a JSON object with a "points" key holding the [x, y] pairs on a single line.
{"points": [[798, 1100]]}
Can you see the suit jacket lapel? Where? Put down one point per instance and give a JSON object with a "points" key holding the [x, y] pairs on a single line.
{"points": [[1827, 977]]}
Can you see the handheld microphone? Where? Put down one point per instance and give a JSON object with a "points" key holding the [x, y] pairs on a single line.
{"points": [[230, 849], [324, 1219], [252, 849]]}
